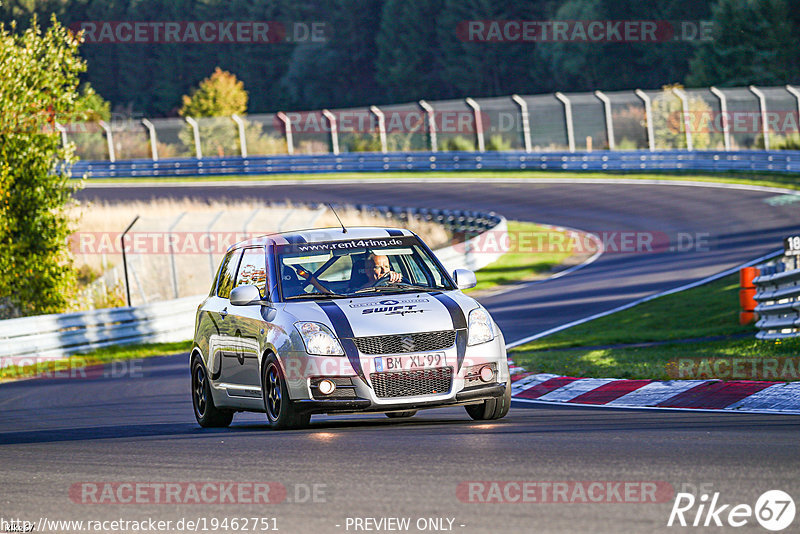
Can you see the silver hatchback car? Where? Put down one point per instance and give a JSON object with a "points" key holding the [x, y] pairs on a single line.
{"points": [[336, 321]]}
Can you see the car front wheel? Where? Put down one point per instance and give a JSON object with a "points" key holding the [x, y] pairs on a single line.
{"points": [[492, 408], [281, 413], [206, 413]]}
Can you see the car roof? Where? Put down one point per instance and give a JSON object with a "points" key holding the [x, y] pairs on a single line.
{"points": [[317, 235]]}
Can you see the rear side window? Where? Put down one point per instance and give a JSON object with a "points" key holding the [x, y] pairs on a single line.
{"points": [[227, 274], [253, 270]]}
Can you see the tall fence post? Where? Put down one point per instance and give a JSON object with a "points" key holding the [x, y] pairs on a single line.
{"points": [[173, 268], [112, 157], [153, 139], [526, 123], [609, 120], [242, 138], [334, 130], [568, 120], [723, 109], [198, 150], [431, 124], [210, 248], [125, 260], [287, 128], [476, 113], [381, 127], [762, 107], [796, 93], [648, 118], [687, 120]]}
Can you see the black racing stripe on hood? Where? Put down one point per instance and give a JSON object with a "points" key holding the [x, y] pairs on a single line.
{"points": [[395, 233], [294, 239], [343, 331], [459, 324]]}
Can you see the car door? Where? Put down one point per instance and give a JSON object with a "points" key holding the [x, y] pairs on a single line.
{"points": [[217, 307], [247, 326]]}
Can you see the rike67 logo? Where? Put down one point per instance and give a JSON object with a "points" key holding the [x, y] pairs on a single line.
{"points": [[774, 510]]}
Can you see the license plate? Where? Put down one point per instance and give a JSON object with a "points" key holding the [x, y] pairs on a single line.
{"points": [[410, 362]]}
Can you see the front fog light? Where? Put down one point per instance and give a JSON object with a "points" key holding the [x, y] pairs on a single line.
{"points": [[487, 373], [480, 327], [326, 387], [319, 340]]}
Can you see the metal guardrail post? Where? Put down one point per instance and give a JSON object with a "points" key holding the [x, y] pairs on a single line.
{"points": [[112, 157], [723, 109], [431, 124], [334, 130], [762, 107], [568, 120], [173, 268], [476, 113], [794, 91], [287, 128], [648, 118], [381, 127], [153, 139], [63, 131], [196, 129], [242, 138], [526, 124], [687, 125], [125, 260], [609, 120]]}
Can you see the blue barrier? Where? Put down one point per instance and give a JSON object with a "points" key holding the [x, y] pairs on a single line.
{"points": [[782, 161]]}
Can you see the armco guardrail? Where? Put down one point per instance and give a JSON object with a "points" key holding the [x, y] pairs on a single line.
{"points": [[27, 340], [45, 337], [778, 297], [786, 161]]}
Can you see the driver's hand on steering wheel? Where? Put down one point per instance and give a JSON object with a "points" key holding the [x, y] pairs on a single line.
{"points": [[395, 277]]}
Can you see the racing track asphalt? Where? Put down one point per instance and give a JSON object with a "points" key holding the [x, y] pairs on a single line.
{"points": [[58, 432]]}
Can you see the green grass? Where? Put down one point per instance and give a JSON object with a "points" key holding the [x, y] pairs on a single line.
{"points": [[527, 263], [707, 311], [788, 181], [96, 357]]}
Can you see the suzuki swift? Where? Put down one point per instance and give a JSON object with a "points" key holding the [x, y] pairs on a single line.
{"points": [[343, 321]]}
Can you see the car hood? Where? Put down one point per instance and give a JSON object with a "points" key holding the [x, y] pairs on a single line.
{"points": [[388, 314]]}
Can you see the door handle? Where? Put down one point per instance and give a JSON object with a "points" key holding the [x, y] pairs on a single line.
{"points": [[224, 313]]}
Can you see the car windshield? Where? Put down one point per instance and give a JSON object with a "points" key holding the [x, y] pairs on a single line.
{"points": [[347, 268]]}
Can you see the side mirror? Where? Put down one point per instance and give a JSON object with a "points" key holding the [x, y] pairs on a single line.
{"points": [[464, 278], [245, 295]]}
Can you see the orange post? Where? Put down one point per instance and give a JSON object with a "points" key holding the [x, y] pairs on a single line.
{"points": [[747, 294]]}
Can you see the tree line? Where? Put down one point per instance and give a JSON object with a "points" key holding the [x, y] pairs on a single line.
{"points": [[387, 51]]}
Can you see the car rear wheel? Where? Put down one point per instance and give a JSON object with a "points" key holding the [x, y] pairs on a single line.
{"points": [[208, 415], [492, 408], [401, 415], [281, 412]]}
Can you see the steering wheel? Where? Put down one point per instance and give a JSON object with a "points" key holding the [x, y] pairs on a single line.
{"points": [[384, 280]]}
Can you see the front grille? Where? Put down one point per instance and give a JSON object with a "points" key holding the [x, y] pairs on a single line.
{"points": [[411, 383], [402, 343]]}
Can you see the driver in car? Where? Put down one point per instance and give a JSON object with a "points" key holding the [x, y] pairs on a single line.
{"points": [[377, 267]]}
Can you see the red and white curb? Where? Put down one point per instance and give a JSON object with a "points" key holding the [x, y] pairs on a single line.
{"points": [[699, 395]]}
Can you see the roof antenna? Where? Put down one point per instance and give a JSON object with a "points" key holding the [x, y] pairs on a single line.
{"points": [[344, 230]]}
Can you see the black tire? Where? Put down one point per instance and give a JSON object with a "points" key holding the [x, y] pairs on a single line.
{"points": [[207, 415], [401, 415], [281, 412], [491, 409]]}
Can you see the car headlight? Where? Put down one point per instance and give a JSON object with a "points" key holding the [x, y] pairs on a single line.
{"points": [[319, 340], [480, 327]]}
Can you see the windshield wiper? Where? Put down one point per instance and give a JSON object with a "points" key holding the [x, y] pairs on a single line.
{"points": [[315, 296], [395, 287]]}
